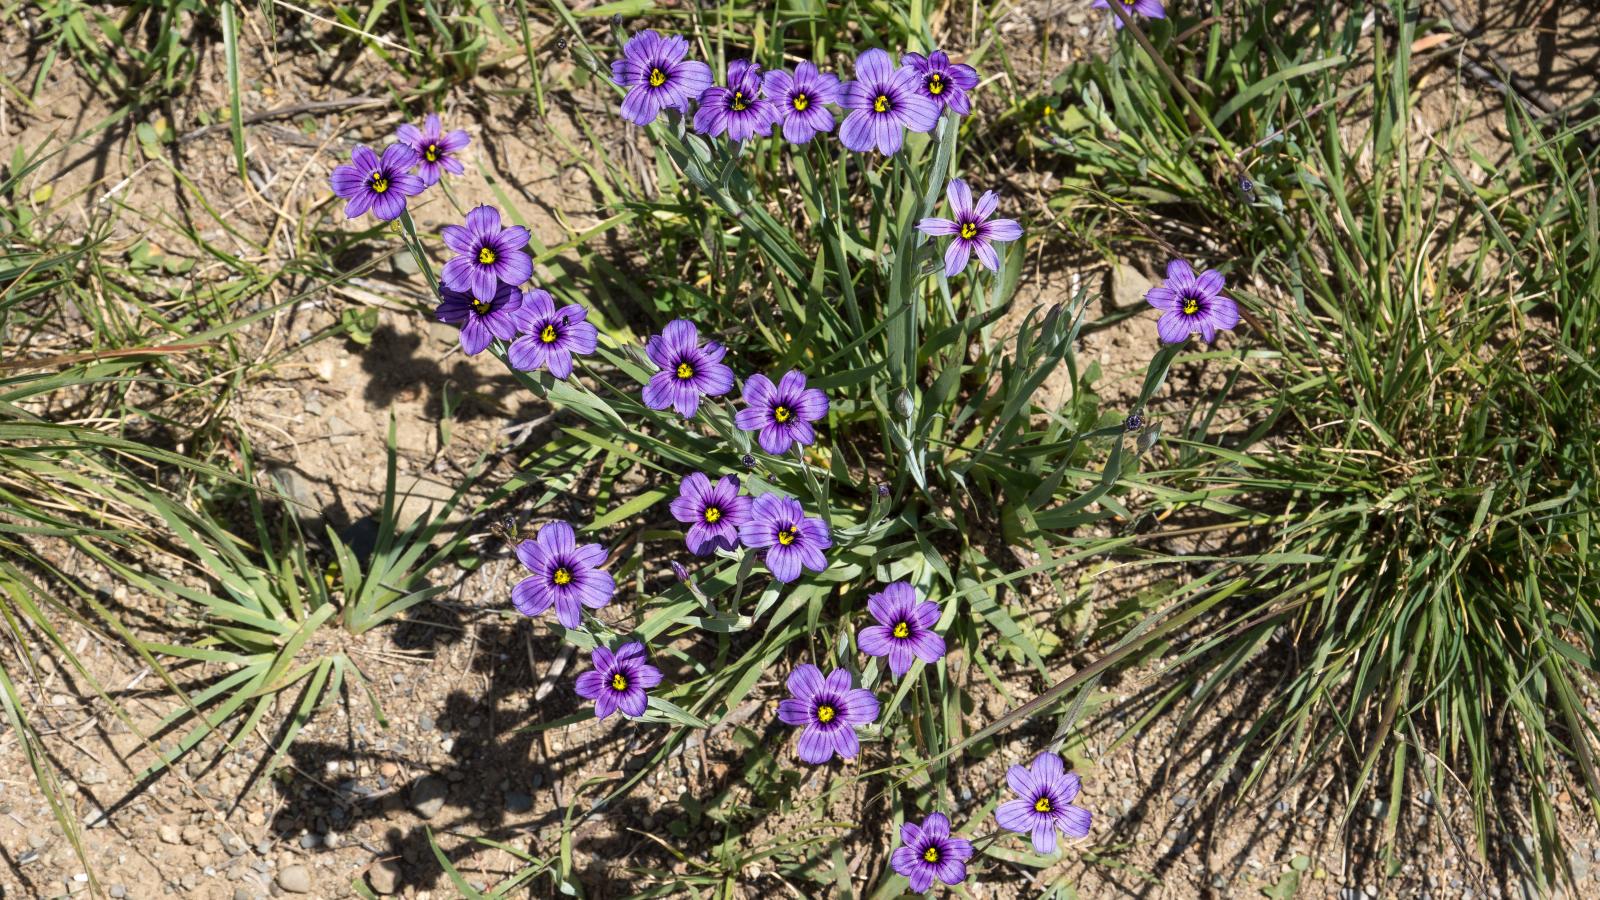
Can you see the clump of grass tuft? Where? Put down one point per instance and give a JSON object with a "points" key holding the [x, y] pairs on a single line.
{"points": [[1428, 410]]}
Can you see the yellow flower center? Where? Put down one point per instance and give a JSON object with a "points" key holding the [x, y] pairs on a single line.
{"points": [[881, 104], [788, 535], [825, 713], [619, 682], [562, 576], [1042, 804], [902, 630], [1190, 306], [480, 307], [801, 101], [548, 334], [432, 153], [931, 854], [657, 78], [379, 183], [739, 102], [782, 413], [486, 256], [685, 370], [969, 230], [713, 514], [936, 84]]}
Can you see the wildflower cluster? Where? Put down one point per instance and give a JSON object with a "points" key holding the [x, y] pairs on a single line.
{"points": [[883, 102], [381, 184], [484, 288]]}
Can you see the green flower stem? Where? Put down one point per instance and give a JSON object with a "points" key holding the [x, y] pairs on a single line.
{"points": [[408, 231]]}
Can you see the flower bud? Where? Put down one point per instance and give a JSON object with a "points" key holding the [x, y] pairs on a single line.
{"points": [[904, 404]]}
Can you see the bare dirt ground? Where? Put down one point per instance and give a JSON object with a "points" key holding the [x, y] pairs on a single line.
{"points": [[356, 801]]}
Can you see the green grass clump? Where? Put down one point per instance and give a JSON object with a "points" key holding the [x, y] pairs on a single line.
{"points": [[120, 449], [1426, 416]]}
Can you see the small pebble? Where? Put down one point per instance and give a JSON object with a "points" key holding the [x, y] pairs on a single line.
{"points": [[384, 876], [427, 796], [295, 879]]}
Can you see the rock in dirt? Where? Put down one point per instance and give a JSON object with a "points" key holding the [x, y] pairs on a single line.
{"points": [[427, 795], [1128, 287], [518, 802], [384, 876], [168, 834], [295, 879]]}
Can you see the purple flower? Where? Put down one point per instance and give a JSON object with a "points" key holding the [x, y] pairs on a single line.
{"points": [[688, 370], [737, 109], [928, 850], [829, 711], [481, 320], [381, 185], [782, 415], [1190, 304], [551, 335], [904, 630], [712, 512], [619, 680], [883, 101], [436, 150], [944, 82], [657, 76], [802, 100], [1045, 803], [1150, 9], [972, 229], [780, 523], [565, 575], [486, 253]]}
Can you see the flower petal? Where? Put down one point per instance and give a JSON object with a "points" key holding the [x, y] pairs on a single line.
{"points": [[986, 255], [1021, 780], [845, 742], [1001, 230], [874, 640], [805, 681], [987, 204], [1075, 821], [1048, 769], [1174, 327], [874, 65], [794, 712], [1015, 815], [960, 197], [475, 336], [956, 256], [816, 745]]}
